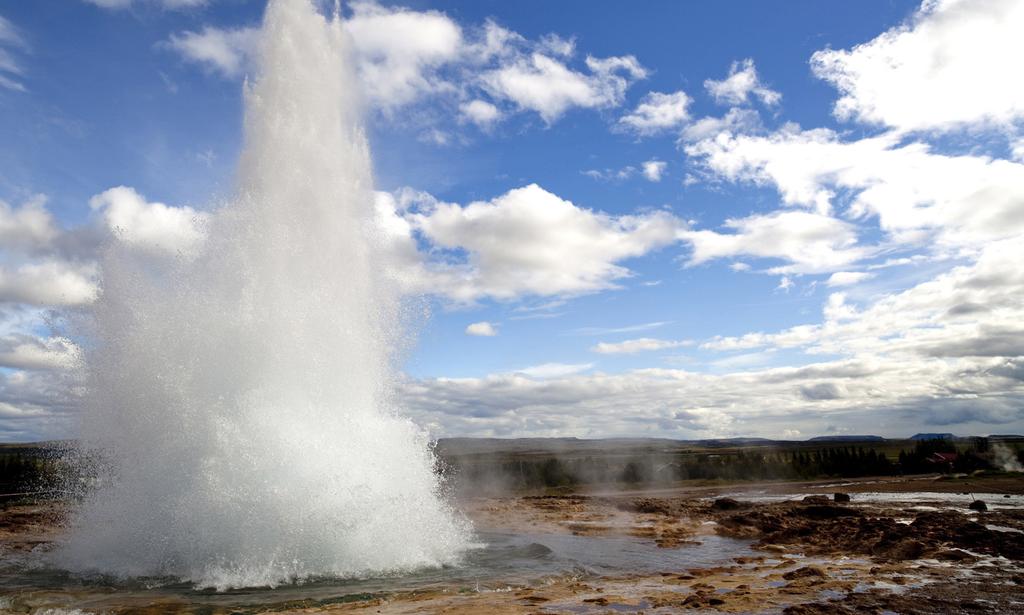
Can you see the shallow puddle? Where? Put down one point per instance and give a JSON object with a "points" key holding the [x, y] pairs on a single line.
{"points": [[500, 559]]}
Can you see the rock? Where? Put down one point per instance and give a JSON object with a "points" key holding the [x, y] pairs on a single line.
{"points": [[978, 505], [816, 608], [841, 497], [827, 511], [816, 499], [726, 504], [904, 549], [652, 506], [955, 555], [805, 572]]}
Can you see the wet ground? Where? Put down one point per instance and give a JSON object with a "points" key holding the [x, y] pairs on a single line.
{"points": [[898, 546]]}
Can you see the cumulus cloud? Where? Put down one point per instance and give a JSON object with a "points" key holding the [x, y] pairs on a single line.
{"points": [[482, 329], [643, 344], [970, 311], [760, 402], [741, 83], [549, 87], [658, 112], [48, 282], [917, 195], [22, 351], [399, 51], [653, 169], [480, 112], [806, 242], [29, 227], [405, 56], [938, 71], [38, 264], [736, 120], [525, 242], [151, 227]]}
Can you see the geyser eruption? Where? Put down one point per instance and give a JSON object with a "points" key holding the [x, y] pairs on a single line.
{"points": [[240, 396]]}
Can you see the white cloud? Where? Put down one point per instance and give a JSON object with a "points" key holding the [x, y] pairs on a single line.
{"points": [[737, 88], [224, 51], [881, 396], [1017, 149], [554, 370], [30, 352], [611, 174], [480, 112], [556, 45], [785, 283], [654, 169], [404, 56], [152, 227], [48, 282], [545, 85], [10, 34], [40, 263], [848, 278], [167, 4], [658, 112], [949, 66], [970, 311], [919, 197], [645, 326], [643, 344], [735, 120], [482, 329], [399, 51], [807, 242], [525, 242], [11, 42], [29, 227]]}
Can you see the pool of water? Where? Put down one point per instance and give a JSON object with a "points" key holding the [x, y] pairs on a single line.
{"points": [[958, 501], [498, 560]]}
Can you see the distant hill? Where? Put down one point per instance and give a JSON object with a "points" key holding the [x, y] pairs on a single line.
{"points": [[932, 436], [847, 439], [734, 442]]}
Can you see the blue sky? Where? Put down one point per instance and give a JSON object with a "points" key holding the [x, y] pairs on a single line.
{"points": [[667, 219]]}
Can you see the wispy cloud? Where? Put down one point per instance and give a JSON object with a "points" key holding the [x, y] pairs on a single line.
{"points": [[647, 326], [643, 344]]}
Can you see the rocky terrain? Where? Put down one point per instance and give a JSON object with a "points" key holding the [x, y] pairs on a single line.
{"points": [[869, 546]]}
